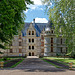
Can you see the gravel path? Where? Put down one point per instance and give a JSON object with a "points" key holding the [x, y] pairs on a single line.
{"points": [[36, 64]]}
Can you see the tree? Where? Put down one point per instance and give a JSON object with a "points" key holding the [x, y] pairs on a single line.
{"points": [[11, 18], [62, 15]]}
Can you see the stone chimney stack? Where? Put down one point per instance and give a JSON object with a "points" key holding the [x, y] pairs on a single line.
{"points": [[33, 20]]}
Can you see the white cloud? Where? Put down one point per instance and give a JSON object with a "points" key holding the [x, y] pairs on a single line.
{"points": [[37, 2], [40, 20]]}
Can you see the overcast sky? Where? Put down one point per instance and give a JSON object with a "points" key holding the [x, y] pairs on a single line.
{"points": [[36, 11]]}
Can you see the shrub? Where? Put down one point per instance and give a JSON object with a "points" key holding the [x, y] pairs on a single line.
{"points": [[5, 58]]}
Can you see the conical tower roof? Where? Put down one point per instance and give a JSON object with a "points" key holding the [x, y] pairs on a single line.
{"points": [[48, 26]]}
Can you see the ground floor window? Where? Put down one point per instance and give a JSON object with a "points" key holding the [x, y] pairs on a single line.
{"points": [[20, 50], [11, 51], [51, 49], [31, 54]]}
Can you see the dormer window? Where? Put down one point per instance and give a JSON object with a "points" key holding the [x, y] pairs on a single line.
{"points": [[32, 32], [29, 32]]}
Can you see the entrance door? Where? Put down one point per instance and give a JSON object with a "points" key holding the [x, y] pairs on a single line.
{"points": [[29, 54], [33, 54]]}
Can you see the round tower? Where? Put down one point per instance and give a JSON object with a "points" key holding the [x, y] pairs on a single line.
{"points": [[47, 40]]}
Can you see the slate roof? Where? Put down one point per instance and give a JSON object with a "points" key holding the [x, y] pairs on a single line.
{"points": [[38, 27]]}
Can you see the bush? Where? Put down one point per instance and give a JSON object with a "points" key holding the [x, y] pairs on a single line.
{"points": [[57, 55], [5, 59], [74, 56]]}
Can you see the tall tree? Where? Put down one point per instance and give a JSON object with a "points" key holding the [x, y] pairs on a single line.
{"points": [[11, 18], [62, 14]]}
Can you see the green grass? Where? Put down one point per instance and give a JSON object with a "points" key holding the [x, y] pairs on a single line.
{"points": [[1, 59], [51, 63], [62, 60], [16, 63]]}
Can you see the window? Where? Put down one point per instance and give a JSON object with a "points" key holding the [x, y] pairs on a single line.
{"points": [[51, 44], [66, 50], [61, 49], [32, 40], [51, 40], [20, 50], [20, 44], [19, 36], [29, 54], [42, 37], [29, 47], [61, 40], [32, 32], [32, 53], [10, 44], [32, 47], [51, 31], [11, 51], [29, 40], [29, 32], [51, 49]]}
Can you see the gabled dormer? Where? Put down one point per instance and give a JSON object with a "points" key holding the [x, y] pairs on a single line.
{"points": [[31, 31]]}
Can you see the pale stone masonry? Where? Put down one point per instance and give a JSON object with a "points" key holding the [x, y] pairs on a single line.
{"points": [[37, 39]]}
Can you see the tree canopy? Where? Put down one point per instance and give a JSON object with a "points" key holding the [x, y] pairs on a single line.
{"points": [[11, 18], [62, 15]]}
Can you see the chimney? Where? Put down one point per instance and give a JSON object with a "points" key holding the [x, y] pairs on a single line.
{"points": [[33, 20]]}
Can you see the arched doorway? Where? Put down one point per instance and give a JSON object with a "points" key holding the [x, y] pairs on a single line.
{"points": [[32, 53], [29, 54]]}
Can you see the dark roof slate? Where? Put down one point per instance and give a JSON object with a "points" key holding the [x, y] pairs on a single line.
{"points": [[38, 27]]}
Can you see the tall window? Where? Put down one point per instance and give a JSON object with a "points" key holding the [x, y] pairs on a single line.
{"points": [[66, 50], [51, 31], [29, 40], [32, 47], [61, 49], [29, 32], [20, 50], [20, 44], [19, 36], [32, 32], [11, 51], [29, 47], [61, 40], [32, 40], [42, 37], [51, 49], [51, 40], [10, 44], [51, 44]]}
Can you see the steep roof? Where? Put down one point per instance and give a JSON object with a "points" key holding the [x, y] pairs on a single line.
{"points": [[38, 27]]}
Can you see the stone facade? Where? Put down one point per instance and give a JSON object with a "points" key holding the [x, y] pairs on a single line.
{"points": [[37, 41]]}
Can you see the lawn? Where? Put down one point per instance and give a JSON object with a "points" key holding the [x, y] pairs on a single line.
{"points": [[11, 61], [64, 60]]}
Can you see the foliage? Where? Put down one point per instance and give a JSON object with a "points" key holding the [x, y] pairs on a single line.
{"points": [[62, 15], [17, 63], [51, 63], [66, 60], [11, 19]]}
